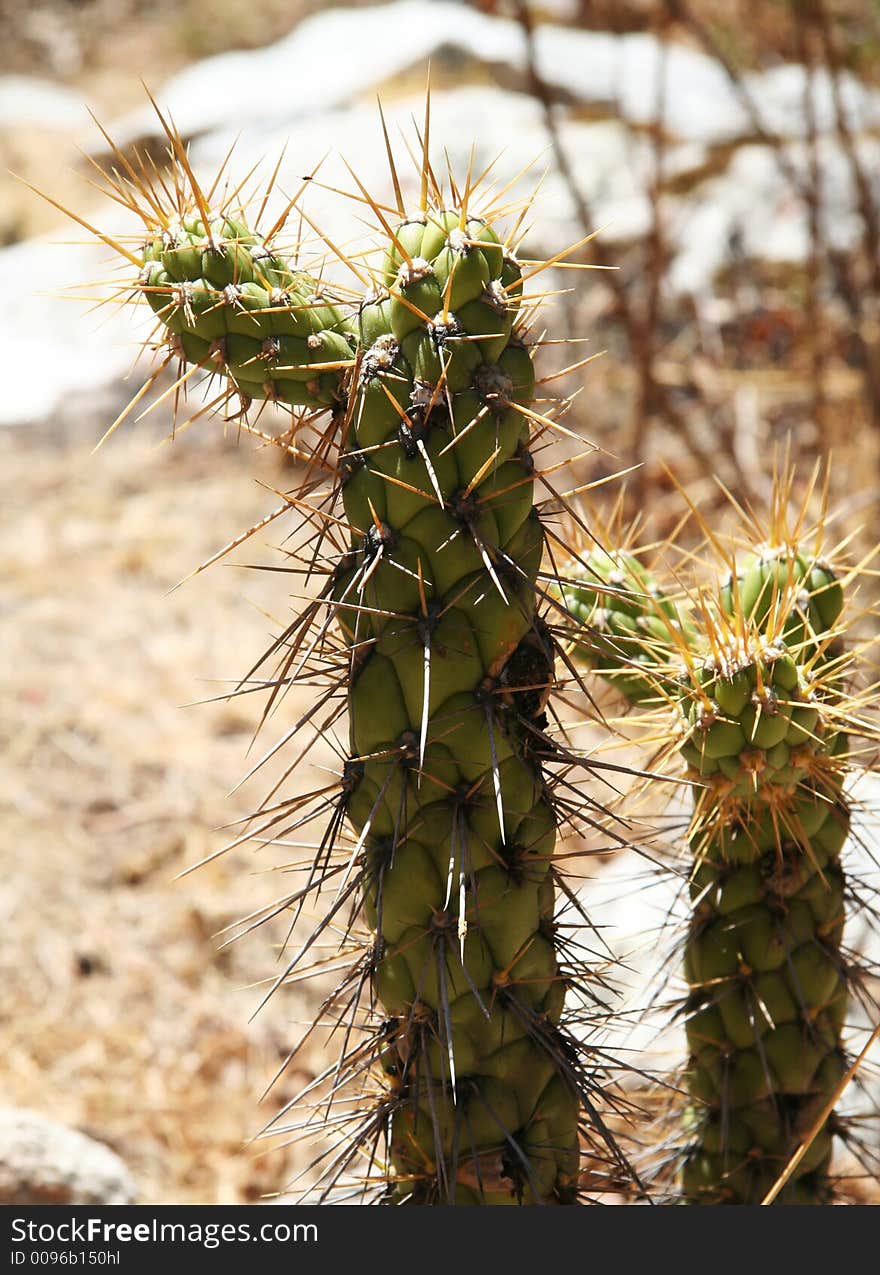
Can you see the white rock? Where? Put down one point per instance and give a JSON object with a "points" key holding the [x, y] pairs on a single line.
{"points": [[327, 60], [778, 95], [337, 55], [55, 346], [27, 100], [367, 49], [42, 1162], [753, 197]]}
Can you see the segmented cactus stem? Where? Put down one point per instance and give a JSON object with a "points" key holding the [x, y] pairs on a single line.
{"points": [[756, 676], [415, 408]]}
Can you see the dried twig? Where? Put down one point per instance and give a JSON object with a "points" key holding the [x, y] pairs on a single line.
{"points": [[640, 328]]}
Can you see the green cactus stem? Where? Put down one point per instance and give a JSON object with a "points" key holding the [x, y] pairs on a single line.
{"points": [[759, 718], [415, 404], [768, 985]]}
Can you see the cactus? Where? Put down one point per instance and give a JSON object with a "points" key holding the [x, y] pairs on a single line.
{"points": [[414, 407], [760, 718], [768, 990]]}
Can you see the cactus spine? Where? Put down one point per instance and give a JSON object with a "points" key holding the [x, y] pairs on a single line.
{"points": [[414, 406]]}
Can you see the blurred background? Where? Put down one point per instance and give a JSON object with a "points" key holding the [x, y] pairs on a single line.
{"points": [[728, 152]]}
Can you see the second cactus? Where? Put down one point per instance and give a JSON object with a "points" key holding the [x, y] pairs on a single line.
{"points": [[754, 677]]}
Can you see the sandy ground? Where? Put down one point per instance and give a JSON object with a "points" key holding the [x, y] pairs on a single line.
{"points": [[126, 1020]]}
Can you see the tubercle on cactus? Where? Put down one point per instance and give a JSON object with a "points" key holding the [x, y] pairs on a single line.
{"points": [[432, 625], [758, 682]]}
